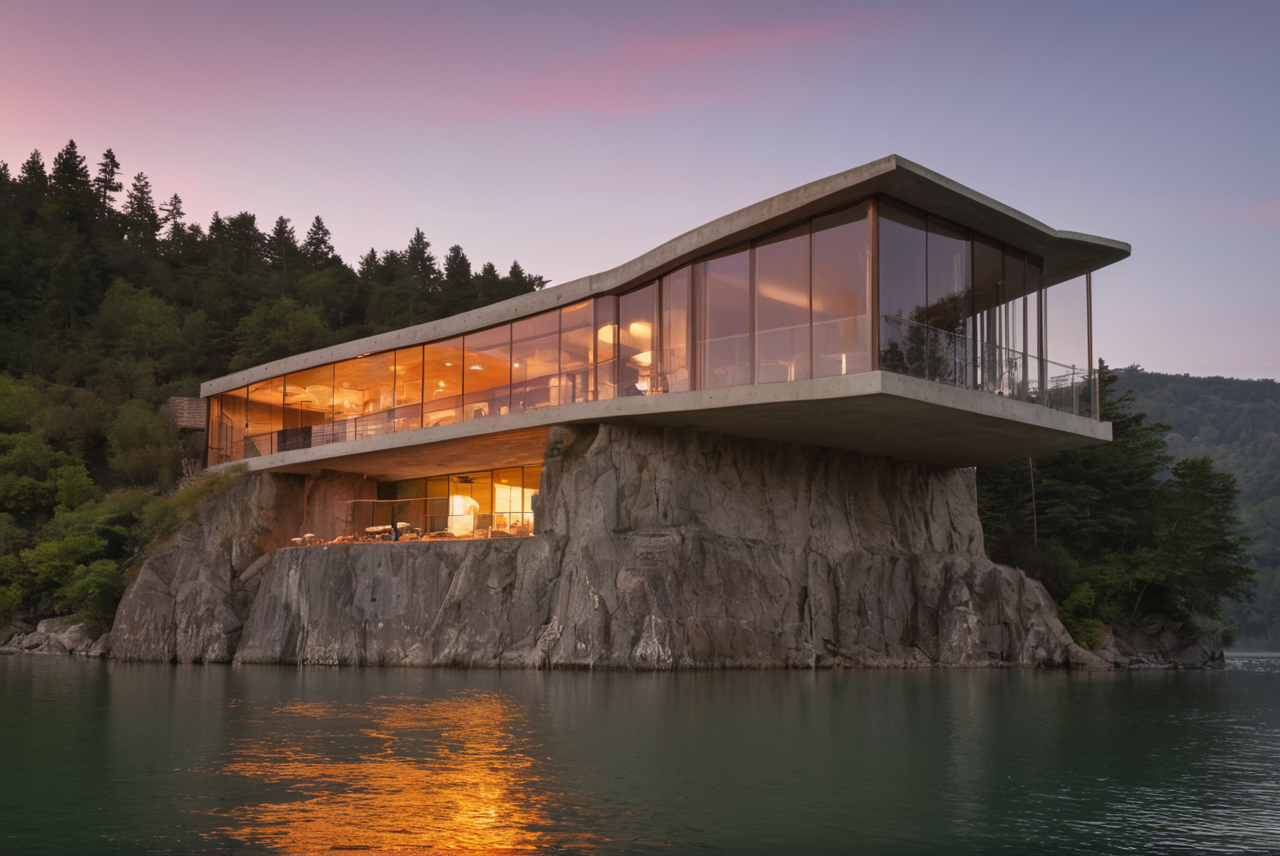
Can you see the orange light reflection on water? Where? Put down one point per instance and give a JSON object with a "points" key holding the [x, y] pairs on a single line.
{"points": [[399, 775]]}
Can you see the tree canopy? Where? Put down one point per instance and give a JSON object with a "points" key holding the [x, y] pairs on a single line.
{"points": [[1122, 534], [110, 305]]}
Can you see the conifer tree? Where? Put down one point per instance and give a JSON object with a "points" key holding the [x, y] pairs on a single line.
{"points": [[282, 245], [142, 221], [318, 245], [421, 264], [490, 287], [457, 293], [107, 182], [171, 215], [33, 184], [369, 266], [71, 185]]}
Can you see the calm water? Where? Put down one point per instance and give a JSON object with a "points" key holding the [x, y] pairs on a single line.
{"points": [[126, 757]]}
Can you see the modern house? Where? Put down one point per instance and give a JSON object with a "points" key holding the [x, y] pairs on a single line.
{"points": [[887, 311]]}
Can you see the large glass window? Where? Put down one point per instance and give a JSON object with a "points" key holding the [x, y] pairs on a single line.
{"points": [[487, 376], [471, 504], [364, 396], [535, 362], [308, 407], [724, 320], [1067, 345], [232, 419], [606, 316], [1036, 376], [577, 337], [1012, 355], [782, 307], [408, 391], [637, 318], [950, 356], [265, 417], [903, 291], [675, 332], [988, 272], [841, 331], [442, 368]]}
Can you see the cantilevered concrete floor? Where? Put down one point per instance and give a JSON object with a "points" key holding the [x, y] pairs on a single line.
{"points": [[875, 413]]}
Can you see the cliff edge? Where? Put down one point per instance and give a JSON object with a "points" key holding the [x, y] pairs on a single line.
{"points": [[657, 549]]}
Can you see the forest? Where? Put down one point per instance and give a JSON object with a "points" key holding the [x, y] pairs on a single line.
{"points": [[1128, 535], [111, 301], [1236, 423]]}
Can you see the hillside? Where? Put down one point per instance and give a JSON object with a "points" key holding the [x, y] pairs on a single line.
{"points": [[1237, 424]]}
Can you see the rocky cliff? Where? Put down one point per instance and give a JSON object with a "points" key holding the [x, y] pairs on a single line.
{"points": [[656, 549]]}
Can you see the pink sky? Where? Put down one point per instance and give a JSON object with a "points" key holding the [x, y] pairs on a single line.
{"points": [[574, 137]]}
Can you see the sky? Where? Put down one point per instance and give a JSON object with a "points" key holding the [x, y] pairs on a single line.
{"points": [[576, 136]]}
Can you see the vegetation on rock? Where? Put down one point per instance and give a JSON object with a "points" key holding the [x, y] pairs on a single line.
{"points": [[1123, 534]]}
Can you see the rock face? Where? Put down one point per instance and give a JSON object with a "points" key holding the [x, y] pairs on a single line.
{"points": [[190, 598], [657, 549]]}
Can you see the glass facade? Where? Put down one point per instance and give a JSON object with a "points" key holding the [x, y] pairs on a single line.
{"points": [[485, 504], [953, 306]]}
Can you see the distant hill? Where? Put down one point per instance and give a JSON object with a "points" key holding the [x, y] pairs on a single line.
{"points": [[1237, 423]]}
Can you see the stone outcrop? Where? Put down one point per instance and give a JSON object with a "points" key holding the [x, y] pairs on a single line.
{"points": [[190, 597], [1163, 647], [64, 635], [657, 549]]}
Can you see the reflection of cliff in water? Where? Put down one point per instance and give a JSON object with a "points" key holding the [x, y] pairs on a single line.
{"points": [[401, 774]]}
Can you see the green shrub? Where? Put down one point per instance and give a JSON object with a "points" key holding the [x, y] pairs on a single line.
{"points": [[163, 515]]}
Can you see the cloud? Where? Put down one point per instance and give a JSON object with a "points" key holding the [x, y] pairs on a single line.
{"points": [[646, 74]]}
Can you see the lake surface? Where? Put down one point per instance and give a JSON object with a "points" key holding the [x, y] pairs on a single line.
{"points": [[110, 757]]}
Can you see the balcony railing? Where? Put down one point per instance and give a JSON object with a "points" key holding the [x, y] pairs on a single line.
{"points": [[914, 349]]}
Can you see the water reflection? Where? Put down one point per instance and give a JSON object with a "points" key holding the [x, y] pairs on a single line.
{"points": [[400, 774]]}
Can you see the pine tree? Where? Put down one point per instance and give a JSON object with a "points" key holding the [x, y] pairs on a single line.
{"points": [[33, 184], [243, 242], [282, 245], [70, 184], [141, 220], [490, 287], [457, 293], [318, 245], [171, 216], [369, 268], [107, 182], [421, 265]]}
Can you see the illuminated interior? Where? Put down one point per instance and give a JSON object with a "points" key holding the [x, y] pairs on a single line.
{"points": [[952, 306], [485, 504]]}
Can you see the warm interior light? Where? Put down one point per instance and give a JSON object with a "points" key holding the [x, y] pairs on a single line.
{"points": [[442, 384], [640, 330], [448, 365], [606, 334], [644, 358], [516, 365], [475, 368]]}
